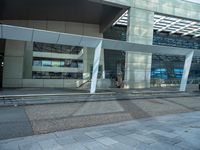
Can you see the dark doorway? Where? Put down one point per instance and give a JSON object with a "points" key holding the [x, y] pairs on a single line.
{"points": [[2, 49], [1, 70]]}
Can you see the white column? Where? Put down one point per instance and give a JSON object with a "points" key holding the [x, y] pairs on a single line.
{"points": [[97, 55], [186, 70]]}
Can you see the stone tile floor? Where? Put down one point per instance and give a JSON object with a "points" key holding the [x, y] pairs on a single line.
{"points": [[169, 132]]}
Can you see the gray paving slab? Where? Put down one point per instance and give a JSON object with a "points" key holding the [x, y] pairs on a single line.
{"points": [[124, 131], [108, 133], [164, 133], [14, 122], [40, 119], [94, 134], [82, 138], [33, 146], [106, 141], [50, 145], [17, 129], [95, 146], [75, 146], [160, 146], [187, 146], [126, 140], [164, 139], [181, 136], [120, 146], [142, 138], [65, 140], [9, 146]]}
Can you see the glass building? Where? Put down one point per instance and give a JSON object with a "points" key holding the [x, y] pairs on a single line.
{"points": [[99, 44]]}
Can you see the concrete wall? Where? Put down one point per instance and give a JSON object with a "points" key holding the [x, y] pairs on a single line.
{"points": [[179, 8], [18, 55], [54, 83], [28, 57], [138, 65], [13, 63], [59, 26]]}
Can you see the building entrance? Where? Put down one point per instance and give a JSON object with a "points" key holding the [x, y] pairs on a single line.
{"points": [[1, 70], [2, 49]]}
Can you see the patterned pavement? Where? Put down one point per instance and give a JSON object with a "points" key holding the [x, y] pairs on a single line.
{"points": [[178, 131]]}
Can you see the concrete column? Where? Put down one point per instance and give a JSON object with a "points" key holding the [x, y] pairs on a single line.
{"points": [[13, 63], [97, 56], [186, 70], [28, 59], [86, 72], [102, 61], [138, 65]]}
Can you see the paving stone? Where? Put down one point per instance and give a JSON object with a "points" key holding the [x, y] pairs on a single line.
{"points": [[142, 146], [142, 138], [83, 138], [9, 146], [124, 131], [164, 139], [43, 137], [163, 133], [187, 146], [95, 146], [106, 141], [126, 140], [120, 146], [33, 146], [162, 146], [166, 128], [50, 145], [108, 133], [93, 134], [66, 133], [75, 146], [14, 122], [65, 140], [105, 137]]}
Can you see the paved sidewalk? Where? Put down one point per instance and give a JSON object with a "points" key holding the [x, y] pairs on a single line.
{"points": [[180, 131]]}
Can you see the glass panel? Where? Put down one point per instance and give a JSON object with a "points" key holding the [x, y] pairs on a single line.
{"points": [[55, 63], [46, 63], [37, 63]]}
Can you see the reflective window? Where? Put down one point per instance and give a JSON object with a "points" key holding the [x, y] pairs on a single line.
{"points": [[37, 63], [55, 48], [56, 75], [55, 63], [46, 63]]}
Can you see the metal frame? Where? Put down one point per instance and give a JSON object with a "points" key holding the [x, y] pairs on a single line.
{"points": [[173, 25], [186, 70], [97, 55]]}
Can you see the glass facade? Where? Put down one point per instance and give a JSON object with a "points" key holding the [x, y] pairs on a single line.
{"points": [[54, 48], [167, 68], [57, 63], [42, 62], [56, 75], [176, 40]]}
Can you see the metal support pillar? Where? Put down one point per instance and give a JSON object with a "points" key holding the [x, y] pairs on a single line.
{"points": [[186, 70], [97, 55]]}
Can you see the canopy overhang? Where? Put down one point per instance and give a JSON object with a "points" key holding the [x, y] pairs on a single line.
{"points": [[44, 36], [36, 35]]}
